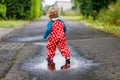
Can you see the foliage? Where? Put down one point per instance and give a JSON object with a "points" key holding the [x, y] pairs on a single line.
{"points": [[21, 9], [92, 7], [1, 1], [100, 25], [18, 9], [99, 5], [111, 15], [2, 11], [36, 8], [86, 7]]}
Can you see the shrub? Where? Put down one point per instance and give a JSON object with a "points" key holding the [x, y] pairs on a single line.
{"points": [[22, 9], [2, 11], [111, 15]]}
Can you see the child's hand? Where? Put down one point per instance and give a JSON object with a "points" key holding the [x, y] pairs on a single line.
{"points": [[44, 36]]}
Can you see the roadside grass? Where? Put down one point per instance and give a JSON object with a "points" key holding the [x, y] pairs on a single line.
{"points": [[108, 28], [12, 23]]}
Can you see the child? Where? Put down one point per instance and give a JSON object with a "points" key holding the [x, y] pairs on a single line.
{"points": [[56, 29]]}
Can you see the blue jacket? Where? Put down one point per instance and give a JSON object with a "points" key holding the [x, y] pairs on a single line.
{"points": [[49, 28]]}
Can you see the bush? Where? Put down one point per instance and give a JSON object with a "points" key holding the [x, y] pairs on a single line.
{"points": [[35, 8], [2, 11], [18, 9], [111, 15], [22, 9]]}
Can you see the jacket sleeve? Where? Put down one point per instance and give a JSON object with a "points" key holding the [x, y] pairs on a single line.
{"points": [[48, 29], [65, 27]]}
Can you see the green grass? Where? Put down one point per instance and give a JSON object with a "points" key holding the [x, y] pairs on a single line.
{"points": [[12, 23], [108, 28], [74, 18]]}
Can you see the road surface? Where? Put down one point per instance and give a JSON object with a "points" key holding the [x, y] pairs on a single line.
{"points": [[94, 54]]}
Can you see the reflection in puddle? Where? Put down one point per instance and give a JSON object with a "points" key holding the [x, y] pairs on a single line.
{"points": [[39, 64], [56, 64], [26, 39]]}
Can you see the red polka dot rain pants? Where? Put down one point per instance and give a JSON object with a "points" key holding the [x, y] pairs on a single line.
{"points": [[57, 38]]}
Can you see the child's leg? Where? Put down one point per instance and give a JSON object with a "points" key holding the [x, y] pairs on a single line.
{"points": [[62, 46], [51, 47]]}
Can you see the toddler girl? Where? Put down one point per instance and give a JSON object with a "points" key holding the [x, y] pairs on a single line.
{"points": [[55, 32]]}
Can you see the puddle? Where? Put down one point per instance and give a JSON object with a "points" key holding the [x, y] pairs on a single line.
{"points": [[39, 65], [26, 39]]}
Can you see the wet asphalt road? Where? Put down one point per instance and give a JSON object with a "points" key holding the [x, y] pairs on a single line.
{"points": [[94, 54]]}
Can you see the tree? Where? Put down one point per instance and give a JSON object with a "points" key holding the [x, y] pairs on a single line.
{"points": [[36, 8], [23, 9], [85, 7], [92, 7], [111, 15], [18, 9], [2, 11]]}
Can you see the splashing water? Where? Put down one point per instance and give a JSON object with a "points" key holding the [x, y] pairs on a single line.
{"points": [[39, 64]]}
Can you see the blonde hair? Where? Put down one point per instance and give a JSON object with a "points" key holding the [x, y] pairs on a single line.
{"points": [[53, 12]]}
